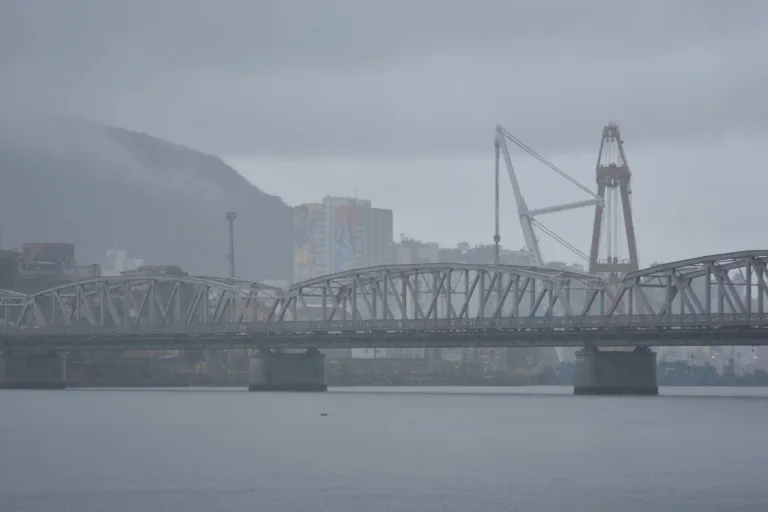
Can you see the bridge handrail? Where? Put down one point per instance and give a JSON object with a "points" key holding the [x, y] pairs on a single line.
{"points": [[308, 327]]}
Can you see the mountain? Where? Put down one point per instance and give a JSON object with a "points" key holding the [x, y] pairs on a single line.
{"points": [[101, 187]]}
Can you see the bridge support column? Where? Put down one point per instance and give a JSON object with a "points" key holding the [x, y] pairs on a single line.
{"points": [[615, 373], [44, 370], [277, 371]]}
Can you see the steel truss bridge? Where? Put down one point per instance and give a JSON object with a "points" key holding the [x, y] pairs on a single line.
{"points": [[712, 300]]}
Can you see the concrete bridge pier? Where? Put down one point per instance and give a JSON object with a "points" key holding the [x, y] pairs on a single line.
{"points": [[33, 370], [284, 371], [615, 372]]}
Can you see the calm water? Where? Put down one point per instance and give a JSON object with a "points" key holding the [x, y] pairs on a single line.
{"points": [[417, 449]]}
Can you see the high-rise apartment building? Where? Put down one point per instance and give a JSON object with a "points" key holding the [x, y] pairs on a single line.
{"points": [[381, 246], [348, 232], [310, 241], [340, 234]]}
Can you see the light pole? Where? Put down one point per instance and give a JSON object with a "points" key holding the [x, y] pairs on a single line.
{"points": [[231, 216]]}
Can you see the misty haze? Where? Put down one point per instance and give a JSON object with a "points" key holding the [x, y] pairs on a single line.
{"points": [[412, 230]]}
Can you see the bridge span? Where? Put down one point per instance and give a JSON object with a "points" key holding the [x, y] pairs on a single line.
{"points": [[712, 300]]}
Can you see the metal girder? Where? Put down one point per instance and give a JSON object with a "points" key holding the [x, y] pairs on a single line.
{"points": [[719, 284], [11, 303], [146, 300], [628, 331], [11, 297], [719, 299], [243, 284], [441, 291], [526, 215]]}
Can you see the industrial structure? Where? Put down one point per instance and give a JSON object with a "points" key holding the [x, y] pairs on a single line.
{"points": [[613, 249], [526, 216], [614, 228]]}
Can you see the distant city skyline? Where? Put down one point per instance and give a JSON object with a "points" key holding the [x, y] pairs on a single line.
{"points": [[678, 209]]}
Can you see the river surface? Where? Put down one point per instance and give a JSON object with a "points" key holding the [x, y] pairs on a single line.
{"points": [[385, 449]]}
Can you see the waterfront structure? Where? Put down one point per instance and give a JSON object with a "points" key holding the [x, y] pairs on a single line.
{"points": [[370, 308]]}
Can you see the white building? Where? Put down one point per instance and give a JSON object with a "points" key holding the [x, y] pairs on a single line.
{"points": [[117, 262]]}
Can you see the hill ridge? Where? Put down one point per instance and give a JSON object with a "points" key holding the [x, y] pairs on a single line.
{"points": [[100, 186]]}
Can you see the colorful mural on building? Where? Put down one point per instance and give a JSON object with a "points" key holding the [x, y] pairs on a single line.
{"points": [[344, 227], [305, 220]]}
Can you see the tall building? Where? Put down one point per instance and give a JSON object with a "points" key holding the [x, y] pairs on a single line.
{"points": [[381, 246], [348, 230], [310, 241], [340, 234]]}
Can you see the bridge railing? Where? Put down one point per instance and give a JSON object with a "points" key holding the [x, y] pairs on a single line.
{"points": [[307, 328]]}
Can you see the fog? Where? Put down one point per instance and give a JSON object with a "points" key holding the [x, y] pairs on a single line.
{"points": [[397, 102]]}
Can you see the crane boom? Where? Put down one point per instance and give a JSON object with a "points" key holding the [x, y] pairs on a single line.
{"points": [[526, 222], [525, 215]]}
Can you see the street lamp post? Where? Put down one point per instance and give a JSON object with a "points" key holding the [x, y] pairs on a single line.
{"points": [[231, 216]]}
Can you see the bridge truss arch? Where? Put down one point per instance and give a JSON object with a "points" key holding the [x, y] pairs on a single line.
{"points": [[11, 297], [441, 292], [11, 303], [730, 284], [130, 302]]}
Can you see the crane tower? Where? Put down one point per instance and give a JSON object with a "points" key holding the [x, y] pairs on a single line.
{"points": [[614, 247]]}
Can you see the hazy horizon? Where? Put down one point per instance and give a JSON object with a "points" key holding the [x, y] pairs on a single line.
{"points": [[398, 103]]}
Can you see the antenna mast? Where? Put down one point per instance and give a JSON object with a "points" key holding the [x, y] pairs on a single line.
{"points": [[231, 216]]}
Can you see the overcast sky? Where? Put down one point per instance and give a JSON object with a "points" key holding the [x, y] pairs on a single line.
{"points": [[397, 101]]}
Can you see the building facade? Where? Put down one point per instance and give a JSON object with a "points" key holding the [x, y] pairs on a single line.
{"points": [[310, 241], [117, 262], [411, 252], [42, 265], [347, 232], [340, 234], [381, 246], [484, 255]]}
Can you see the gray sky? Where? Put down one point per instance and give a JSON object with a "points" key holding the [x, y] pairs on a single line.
{"points": [[397, 100]]}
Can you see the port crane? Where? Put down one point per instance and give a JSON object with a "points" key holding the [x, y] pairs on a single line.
{"points": [[527, 216]]}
